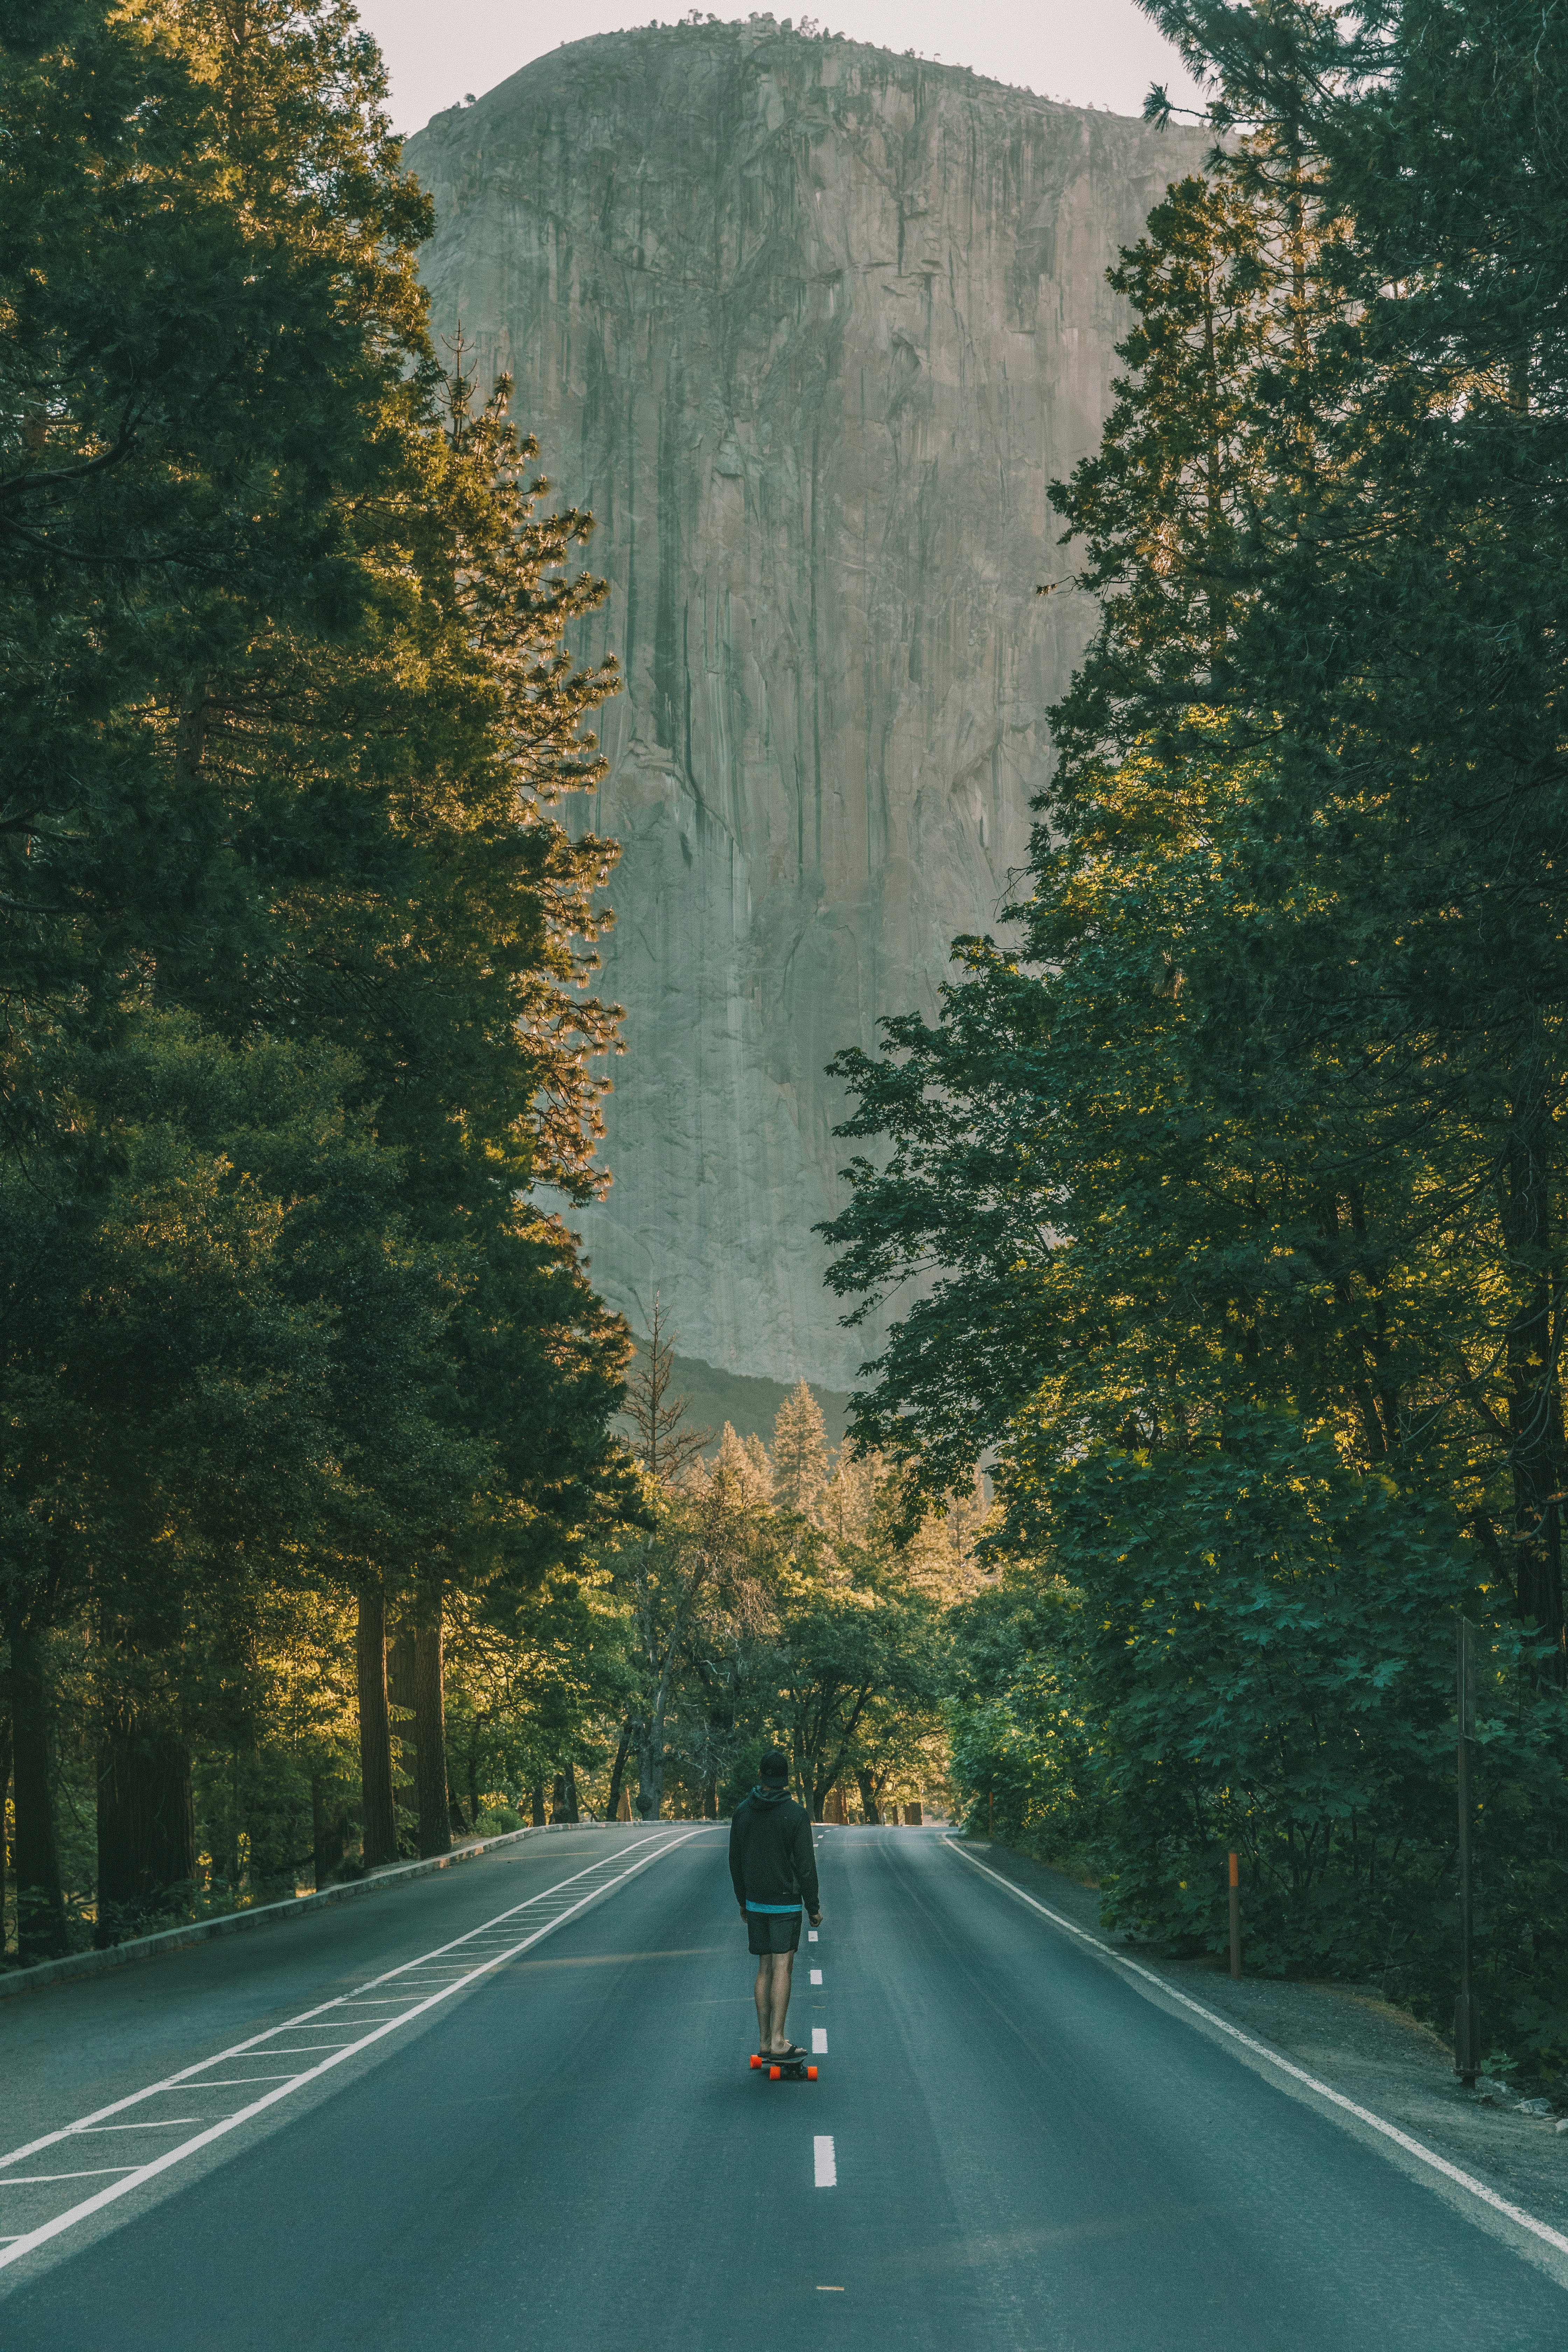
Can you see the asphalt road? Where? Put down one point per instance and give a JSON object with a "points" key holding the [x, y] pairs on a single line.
{"points": [[1011, 2143]]}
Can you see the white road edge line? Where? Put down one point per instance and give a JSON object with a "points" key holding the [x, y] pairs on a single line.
{"points": [[75, 2213], [824, 2164], [1415, 2147]]}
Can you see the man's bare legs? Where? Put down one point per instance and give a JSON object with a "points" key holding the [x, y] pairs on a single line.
{"points": [[772, 2000]]}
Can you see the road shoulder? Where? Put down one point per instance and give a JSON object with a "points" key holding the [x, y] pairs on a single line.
{"points": [[1357, 2044]]}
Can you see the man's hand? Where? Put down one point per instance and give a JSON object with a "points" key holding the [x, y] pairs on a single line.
{"points": [[816, 1918]]}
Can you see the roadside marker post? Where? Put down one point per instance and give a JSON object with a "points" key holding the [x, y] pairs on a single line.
{"points": [[1467, 2009], [1234, 1916]]}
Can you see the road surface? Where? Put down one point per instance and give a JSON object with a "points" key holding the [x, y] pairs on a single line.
{"points": [[544, 2137]]}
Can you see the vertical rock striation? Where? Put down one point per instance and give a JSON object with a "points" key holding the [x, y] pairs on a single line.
{"points": [[810, 327]]}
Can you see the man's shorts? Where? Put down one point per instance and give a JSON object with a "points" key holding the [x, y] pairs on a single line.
{"points": [[773, 1931]]}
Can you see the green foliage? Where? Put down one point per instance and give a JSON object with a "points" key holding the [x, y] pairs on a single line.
{"points": [[1260, 1649], [1022, 1751]]}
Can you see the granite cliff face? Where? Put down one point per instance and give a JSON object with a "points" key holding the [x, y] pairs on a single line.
{"points": [[810, 327]]}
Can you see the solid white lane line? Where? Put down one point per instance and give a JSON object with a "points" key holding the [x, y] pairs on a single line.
{"points": [[824, 2163], [32, 2180], [173, 2156], [819, 2041], [261, 2046], [816, 1976], [1260, 2049], [164, 2123], [222, 2083]]}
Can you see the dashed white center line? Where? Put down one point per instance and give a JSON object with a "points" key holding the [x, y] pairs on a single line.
{"points": [[811, 1938], [816, 1976], [819, 2041], [824, 2162]]}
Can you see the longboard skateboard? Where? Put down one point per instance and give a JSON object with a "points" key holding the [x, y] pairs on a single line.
{"points": [[787, 2070]]}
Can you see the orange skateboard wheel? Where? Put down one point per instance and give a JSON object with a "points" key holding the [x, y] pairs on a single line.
{"points": [[811, 2073], [774, 2073], [755, 2060]]}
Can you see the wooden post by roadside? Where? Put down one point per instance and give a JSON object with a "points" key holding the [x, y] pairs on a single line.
{"points": [[1234, 1916], [1467, 2009]]}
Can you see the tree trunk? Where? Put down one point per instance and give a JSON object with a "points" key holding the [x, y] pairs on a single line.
{"points": [[400, 1675], [146, 1824], [868, 1787], [430, 1734], [536, 1799], [402, 1715], [5, 1816], [40, 1900], [618, 1772], [649, 1734], [326, 1831], [374, 1730], [558, 1799], [1535, 1406], [572, 1812]]}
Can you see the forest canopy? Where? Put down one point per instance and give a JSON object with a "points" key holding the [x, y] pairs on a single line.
{"points": [[1229, 1178], [297, 970]]}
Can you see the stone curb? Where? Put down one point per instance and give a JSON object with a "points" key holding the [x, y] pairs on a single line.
{"points": [[265, 1915]]}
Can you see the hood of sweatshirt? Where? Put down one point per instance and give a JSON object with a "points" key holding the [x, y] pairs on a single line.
{"points": [[770, 1794]]}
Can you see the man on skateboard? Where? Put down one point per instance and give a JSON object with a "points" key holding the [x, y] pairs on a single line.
{"points": [[772, 1865]]}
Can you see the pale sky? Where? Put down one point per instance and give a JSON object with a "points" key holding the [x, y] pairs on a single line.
{"points": [[1090, 52]]}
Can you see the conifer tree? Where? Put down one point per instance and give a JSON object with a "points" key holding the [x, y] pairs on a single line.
{"points": [[800, 1451], [1168, 506], [211, 318], [1408, 651]]}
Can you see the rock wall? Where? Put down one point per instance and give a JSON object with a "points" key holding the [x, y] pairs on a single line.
{"points": [[810, 327]]}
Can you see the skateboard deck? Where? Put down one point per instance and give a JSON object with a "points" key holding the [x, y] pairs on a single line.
{"points": [[784, 2070]]}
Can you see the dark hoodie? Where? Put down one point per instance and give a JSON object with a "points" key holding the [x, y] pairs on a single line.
{"points": [[771, 1859]]}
